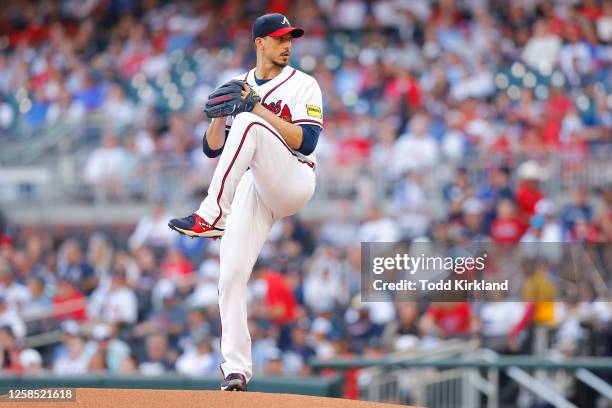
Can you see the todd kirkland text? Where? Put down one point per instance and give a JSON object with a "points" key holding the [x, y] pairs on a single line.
{"points": [[458, 284]]}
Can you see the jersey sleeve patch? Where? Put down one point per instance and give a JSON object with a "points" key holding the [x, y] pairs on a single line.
{"points": [[314, 111]]}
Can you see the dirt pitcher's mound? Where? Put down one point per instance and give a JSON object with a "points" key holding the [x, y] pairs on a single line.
{"points": [[116, 398]]}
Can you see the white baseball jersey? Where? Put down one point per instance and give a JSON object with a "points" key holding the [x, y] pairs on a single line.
{"points": [[292, 95]]}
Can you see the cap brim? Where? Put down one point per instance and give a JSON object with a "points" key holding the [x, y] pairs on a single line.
{"points": [[295, 32]]}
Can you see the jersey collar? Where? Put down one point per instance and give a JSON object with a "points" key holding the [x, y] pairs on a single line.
{"points": [[271, 83]]}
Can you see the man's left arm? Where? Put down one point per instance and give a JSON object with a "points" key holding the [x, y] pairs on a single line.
{"points": [[292, 134], [303, 133]]}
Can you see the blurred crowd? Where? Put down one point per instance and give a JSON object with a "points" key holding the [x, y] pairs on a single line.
{"points": [[409, 87], [104, 300]]}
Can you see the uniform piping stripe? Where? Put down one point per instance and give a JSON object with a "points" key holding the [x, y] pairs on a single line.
{"points": [[274, 89], [221, 342], [280, 138], [316, 122], [309, 164]]}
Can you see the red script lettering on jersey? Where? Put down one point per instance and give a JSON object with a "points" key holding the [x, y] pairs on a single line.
{"points": [[275, 108]]}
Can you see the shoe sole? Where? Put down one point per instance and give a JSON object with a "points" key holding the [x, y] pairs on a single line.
{"points": [[234, 387], [189, 233]]}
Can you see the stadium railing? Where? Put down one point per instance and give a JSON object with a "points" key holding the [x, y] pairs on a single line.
{"points": [[57, 186], [474, 378]]}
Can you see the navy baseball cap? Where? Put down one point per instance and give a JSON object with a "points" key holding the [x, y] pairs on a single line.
{"points": [[274, 25]]}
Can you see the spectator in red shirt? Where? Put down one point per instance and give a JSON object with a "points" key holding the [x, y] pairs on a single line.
{"points": [[279, 6], [69, 303], [558, 103], [584, 232], [7, 245], [591, 10], [449, 319], [528, 193], [551, 128], [507, 227], [277, 301], [407, 86], [279, 298], [175, 266], [354, 149]]}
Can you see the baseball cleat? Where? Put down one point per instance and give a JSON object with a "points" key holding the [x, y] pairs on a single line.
{"points": [[234, 382], [195, 226]]}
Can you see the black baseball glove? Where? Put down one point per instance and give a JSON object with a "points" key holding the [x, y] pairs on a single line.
{"points": [[227, 100]]}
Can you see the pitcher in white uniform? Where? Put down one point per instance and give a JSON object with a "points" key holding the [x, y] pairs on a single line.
{"points": [[266, 171]]}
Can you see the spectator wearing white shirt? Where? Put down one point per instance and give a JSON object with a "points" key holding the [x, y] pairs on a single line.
{"points": [[572, 128], [74, 361], [383, 150], [323, 289], [478, 84], [574, 317], [65, 110], [340, 231], [199, 360], [576, 57], [36, 310], [68, 329], [378, 228], [320, 331], [499, 321], [119, 110], [105, 161], [7, 115], [14, 293], [120, 304], [542, 49], [410, 207], [350, 14], [552, 231], [105, 166], [416, 150], [100, 255], [604, 23], [113, 349], [543, 230], [152, 229], [9, 317], [159, 359], [455, 139], [205, 293]]}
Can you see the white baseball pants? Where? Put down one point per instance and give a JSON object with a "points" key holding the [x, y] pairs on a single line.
{"points": [[246, 204]]}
